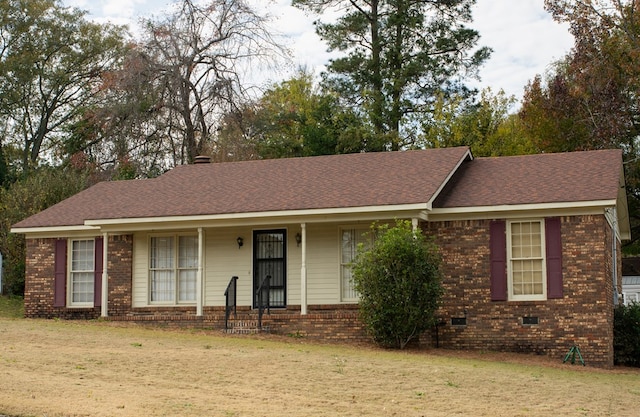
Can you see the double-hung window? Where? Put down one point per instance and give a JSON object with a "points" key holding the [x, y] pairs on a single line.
{"points": [[173, 267], [526, 266], [351, 237], [81, 273]]}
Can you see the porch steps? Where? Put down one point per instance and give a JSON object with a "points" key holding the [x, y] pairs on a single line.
{"points": [[245, 327]]}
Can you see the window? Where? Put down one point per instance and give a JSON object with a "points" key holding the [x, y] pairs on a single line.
{"points": [[81, 273], [350, 240], [173, 267], [526, 266]]}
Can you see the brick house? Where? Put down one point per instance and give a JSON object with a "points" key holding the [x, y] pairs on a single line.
{"points": [[531, 245]]}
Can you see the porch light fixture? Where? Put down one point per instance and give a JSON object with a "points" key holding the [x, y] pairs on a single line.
{"points": [[298, 238], [240, 241]]}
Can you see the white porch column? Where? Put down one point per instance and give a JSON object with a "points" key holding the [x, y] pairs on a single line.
{"points": [[414, 223], [104, 310], [303, 271], [199, 278]]}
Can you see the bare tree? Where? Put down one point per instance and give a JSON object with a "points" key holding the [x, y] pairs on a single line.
{"points": [[190, 69]]}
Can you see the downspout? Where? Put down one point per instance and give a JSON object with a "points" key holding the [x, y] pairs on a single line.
{"points": [[303, 271], [199, 280], [104, 310], [615, 261], [614, 252]]}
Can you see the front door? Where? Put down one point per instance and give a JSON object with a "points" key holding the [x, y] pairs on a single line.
{"points": [[269, 259]]}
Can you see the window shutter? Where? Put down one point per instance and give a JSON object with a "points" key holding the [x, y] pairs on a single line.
{"points": [[97, 273], [60, 274], [553, 243], [498, 256]]}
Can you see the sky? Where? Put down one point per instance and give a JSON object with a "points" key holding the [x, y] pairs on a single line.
{"points": [[524, 37]]}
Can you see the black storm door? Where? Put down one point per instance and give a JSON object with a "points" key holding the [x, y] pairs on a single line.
{"points": [[269, 259]]}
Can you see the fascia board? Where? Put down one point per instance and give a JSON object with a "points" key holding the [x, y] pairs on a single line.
{"points": [[55, 230], [351, 214], [485, 212]]}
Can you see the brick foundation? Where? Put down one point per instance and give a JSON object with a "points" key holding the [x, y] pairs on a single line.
{"points": [[328, 323]]}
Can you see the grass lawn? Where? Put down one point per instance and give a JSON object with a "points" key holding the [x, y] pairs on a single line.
{"points": [[11, 307], [77, 368]]}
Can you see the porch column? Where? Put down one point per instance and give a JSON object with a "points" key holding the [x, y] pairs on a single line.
{"points": [[303, 271], [414, 223], [199, 280], [104, 309]]}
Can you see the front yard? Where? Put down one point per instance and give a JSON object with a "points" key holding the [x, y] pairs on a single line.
{"points": [[62, 368]]}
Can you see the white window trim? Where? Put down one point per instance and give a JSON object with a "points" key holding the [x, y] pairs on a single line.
{"points": [[176, 269], [536, 297], [70, 302]]}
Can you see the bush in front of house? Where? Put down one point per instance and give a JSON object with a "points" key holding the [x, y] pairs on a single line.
{"points": [[398, 279], [626, 335]]}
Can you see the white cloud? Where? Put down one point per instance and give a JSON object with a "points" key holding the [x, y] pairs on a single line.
{"points": [[524, 38], [525, 41]]}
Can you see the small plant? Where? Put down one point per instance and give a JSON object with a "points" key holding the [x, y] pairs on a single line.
{"points": [[136, 344], [340, 363], [296, 335]]}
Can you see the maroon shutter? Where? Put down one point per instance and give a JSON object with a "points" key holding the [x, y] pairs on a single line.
{"points": [[498, 256], [554, 257], [97, 273], [60, 274]]}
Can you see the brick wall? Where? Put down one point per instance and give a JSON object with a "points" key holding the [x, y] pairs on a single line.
{"points": [[120, 270], [584, 316], [327, 322], [39, 285]]}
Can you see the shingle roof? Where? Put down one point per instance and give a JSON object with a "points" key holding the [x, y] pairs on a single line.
{"points": [[337, 181], [535, 179]]}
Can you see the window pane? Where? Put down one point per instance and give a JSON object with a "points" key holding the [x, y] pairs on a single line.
{"points": [[162, 286], [348, 246], [82, 287], [187, 284], [188, 248], [82, 255], [161, 253], [526, 277]]}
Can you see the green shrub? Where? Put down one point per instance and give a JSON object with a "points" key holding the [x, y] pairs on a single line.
{"points": [[398, 279], [626, 335]]}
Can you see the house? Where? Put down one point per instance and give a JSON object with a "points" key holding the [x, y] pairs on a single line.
{"points": [[531, 245]]}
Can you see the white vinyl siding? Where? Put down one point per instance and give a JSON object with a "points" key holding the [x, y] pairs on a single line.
{"points": [[81, 272], [323, 264], [224, 259], [526, 268], [140, 270]]}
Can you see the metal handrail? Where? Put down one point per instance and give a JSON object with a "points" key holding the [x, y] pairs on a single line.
{"points": [[262, 296], [230, 301]]}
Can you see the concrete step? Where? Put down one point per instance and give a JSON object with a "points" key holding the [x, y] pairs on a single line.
{"points": [[237, 326]]}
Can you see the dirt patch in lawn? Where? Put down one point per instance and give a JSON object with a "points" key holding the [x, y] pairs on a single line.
{"points": [[57, 368]]}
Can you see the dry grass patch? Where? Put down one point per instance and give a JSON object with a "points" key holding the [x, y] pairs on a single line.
{"points": [[57, 368]]}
